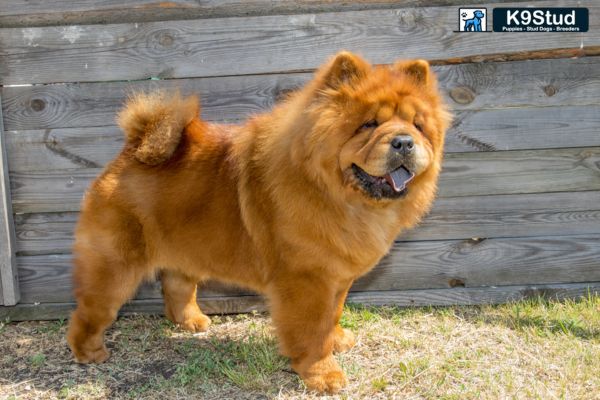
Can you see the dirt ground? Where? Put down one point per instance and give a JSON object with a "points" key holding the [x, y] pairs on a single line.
{"points": [[527, 350]]}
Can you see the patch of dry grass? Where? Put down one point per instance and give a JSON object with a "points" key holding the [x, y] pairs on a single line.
{"points": [[528, 350]]}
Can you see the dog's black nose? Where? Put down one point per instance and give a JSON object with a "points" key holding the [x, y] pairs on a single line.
{"points": [[403, 144]]}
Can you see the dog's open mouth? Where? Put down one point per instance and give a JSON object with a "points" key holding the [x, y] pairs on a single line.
{"points": [[391, 185]]}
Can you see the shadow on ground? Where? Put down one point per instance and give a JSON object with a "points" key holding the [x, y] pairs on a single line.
{"points": [[145, 357]]}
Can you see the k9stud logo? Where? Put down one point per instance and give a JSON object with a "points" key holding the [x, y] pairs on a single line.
{"points": [[555, 19], [472, 19]]}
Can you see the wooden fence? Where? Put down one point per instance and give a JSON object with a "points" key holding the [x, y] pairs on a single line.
{"points": [[518, 212]]}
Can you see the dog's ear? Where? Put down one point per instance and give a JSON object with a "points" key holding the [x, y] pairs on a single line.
{"points": [[343, 68], [417, 69]]}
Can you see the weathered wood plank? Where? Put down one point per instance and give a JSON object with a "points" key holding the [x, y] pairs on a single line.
{"points": [[46, 233], [48, 279], [95, 104], [589, 51], [464, 174], [214, 305], [9, 294], [534, 83], [519, 215], [527, 171], [63, 149], [473, 296], [410, 265], [524, 128], [486, 130], [530, 83], [50, 191], [405, 298], [488, 262], [24, 13], [214, 47]]}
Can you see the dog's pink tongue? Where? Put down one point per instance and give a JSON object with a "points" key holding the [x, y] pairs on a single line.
{"points": [[398, 178]]}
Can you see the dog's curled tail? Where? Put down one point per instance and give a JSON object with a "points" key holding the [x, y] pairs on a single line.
{"points": [[154, 122]]}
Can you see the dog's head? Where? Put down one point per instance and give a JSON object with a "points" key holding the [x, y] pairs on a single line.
{"points": [[375, 130], [478, 14]]}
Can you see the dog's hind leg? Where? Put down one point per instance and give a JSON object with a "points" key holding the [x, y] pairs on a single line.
{"points": [[110, 262], [102, 286], [179, 292]]}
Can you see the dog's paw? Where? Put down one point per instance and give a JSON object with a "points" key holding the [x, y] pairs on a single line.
{"points": [[85, 356], [330, 382], [323, 376], [344, 340], [198, 323]]}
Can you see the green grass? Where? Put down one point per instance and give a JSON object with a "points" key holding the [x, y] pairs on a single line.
{"points": [[37, 360], [542, 317], [52, 326], [3, 325], [534, 349], [538, 316], [247, 363], [379, 384]]}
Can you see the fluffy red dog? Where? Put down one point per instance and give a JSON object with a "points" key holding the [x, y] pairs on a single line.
{"points": [[296, 204]]}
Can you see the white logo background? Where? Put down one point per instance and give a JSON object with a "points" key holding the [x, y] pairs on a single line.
{"points": [[465, 14]]}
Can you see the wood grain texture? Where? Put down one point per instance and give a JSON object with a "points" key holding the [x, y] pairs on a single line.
{"points": [[63, 149], [524, 128], [579, 52], [48, 279], [472, 296], [464, 174], [95, 104], [212, 306], [526, 171], [405, 298], [24, 13], [46, 233], [9, 282], [215, 47], [530, 83], [519, 215], [486, 262], [535, 83], [410, 265]]}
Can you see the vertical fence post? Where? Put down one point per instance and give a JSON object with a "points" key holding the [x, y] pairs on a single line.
{"points": [[9, 292]]}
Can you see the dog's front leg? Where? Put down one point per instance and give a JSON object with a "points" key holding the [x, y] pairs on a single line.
{"points": [[304, 311], [343, 338]]}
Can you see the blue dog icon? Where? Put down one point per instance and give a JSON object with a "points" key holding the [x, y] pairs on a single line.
{"points": [[474, 24]]}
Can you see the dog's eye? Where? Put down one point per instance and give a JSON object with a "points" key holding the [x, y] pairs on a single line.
{"points": [[369, 124], [418, 126]]}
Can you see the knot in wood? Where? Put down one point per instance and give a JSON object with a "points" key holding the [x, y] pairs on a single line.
{"points": [[166, 40], [408, 18], [550, 90], [462, 95], [37, 105], [456, 282]]}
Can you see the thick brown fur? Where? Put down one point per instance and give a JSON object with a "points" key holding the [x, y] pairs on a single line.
{"points": [[153, 123], [273, 205]]}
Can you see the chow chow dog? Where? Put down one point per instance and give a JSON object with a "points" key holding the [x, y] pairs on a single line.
{"points": [[295, 203]]}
